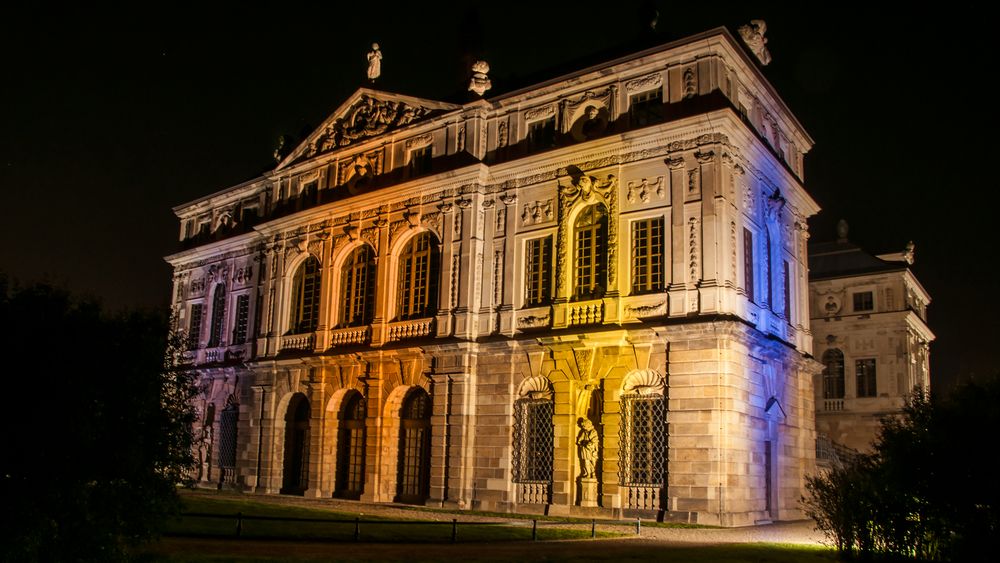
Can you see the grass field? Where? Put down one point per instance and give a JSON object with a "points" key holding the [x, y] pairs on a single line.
{"points": [[372, 528]]}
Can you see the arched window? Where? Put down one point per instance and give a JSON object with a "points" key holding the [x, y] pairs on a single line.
{"points": [[643, 437], [227, 442], [357, 305], [833, 374], [591, 259], [413, 483], [350, 481], [218, 315], [305, 297], [295, 475], [533, 436], [418, 272]]}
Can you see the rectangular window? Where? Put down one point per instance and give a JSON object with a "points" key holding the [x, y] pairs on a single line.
{"points": [[542, 133], [786, 283], [258, 313], [864, 371], [242, 319], [647, 255], [864, 301], [538, 271], [748, 264], [767, 269], [194, 326], [420, 160], [645, 108]]}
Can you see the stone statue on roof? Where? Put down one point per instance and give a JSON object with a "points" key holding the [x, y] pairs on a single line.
{"points": [[753, 36], [374, 63]]}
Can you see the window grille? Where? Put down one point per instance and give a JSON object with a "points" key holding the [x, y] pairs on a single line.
{"points": [[538, 271], [418, 270], [533, 437], [864, 371], [642, 451], [218, 315], [833, 374], [647, 255], [591, 230], [767, 268], [242, 319], [227, 441], [305, 297], [357, 305], [351, 449], [786, 284]]}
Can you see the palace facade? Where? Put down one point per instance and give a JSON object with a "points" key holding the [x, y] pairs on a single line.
{"points": [[589, 296], [871, 335]]}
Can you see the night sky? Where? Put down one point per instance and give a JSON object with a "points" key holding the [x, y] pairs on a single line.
{"points": [[109, 120]]}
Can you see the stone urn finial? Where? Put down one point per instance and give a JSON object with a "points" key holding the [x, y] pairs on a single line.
{"points": [[480, 83]]}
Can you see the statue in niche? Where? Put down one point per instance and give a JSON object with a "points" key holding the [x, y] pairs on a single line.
{"points": [[753, 36], [587, 443], [374, 63]]}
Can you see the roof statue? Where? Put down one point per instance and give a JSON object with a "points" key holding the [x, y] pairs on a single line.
{"points": [[480, 83], [374, 63], [753, 36]]}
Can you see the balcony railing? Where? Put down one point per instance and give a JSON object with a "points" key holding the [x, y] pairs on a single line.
{"points": [[586, 313], [298, 342], [414, 328], [350, 335], [833, 405]]}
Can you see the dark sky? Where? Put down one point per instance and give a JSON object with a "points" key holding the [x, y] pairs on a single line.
{"points": [[109, 119]]}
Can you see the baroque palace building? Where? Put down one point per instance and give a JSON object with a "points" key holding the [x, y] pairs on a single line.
{"points": [[869, 315], [589, 296]]}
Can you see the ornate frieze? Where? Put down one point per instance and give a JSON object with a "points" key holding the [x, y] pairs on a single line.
{"points": [[542, 112], [537, 212], [643, 189], [644, 83]]}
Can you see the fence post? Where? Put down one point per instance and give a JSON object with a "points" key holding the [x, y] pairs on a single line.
{"points": [[454, 530], [638, 525], [239, 524], [593, 528], [357, 528], [534, 530]]}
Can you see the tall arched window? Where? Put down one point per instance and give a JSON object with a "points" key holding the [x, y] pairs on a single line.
{"points": [[533, 437], [350, 481], [642, 462], [357, 304], [591, 258], [418, 272], [833, 374], [413, 484], [305, 297], [227, 442], [218, 315]]}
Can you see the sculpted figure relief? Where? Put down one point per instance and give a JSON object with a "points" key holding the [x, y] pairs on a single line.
{"points": [[367, 118], [587, 443], [753, 36]]}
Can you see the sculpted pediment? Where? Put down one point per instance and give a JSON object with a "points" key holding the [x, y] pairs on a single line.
{"points": [[366, 114]]}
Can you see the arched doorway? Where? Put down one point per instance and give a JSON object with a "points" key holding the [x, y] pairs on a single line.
{"points": [[295, 477], [350, 481], [413, 482]]}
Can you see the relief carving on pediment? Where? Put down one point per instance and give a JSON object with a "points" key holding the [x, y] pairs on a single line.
{"points": [[366, 118]]}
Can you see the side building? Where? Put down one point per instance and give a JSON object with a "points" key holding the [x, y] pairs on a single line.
{"points": [[588, 296], [871, 335]]}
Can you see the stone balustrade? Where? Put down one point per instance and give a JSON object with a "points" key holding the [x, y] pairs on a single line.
{"points": [[414, 328], [298, 342], [586, 313], [533, 493], [641, 497], [350, 335], [833, 405]]}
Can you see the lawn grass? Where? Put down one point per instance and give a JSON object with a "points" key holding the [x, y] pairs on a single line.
{"points": [[371, 529]]}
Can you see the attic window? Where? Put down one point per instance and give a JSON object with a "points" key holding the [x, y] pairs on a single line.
{"points": [[646, 107], [863, 301], [420, 160], [542, 133]]}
